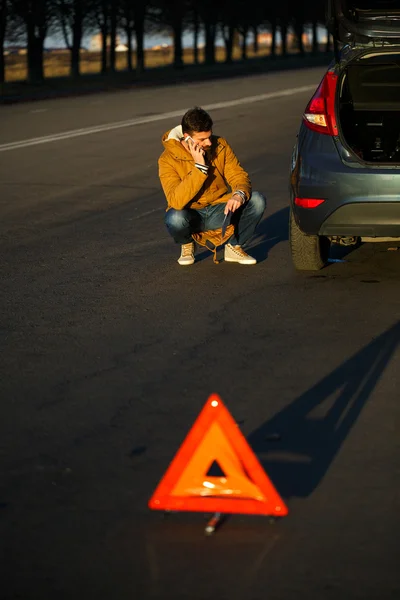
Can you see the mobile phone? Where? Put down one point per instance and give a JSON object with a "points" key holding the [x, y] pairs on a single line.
{"points": [[188, 137]]}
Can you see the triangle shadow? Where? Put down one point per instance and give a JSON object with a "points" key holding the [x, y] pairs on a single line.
{"points": [[297, 445]]}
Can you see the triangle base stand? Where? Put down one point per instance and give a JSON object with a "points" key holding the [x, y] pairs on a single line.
{"points": [[214, 523]]}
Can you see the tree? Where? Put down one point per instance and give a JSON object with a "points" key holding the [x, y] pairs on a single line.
{"points": [[71, 14], [196, 31], [137, 18], [231, 15], [172, 14], [128, 24], [228, 33], [4, 9], [140, 12], [209, 12], [297, 10], [315, 15], [248, 16], [37, 16]]}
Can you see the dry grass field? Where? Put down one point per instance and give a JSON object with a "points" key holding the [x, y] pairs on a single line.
{"points": [[57, 63]]}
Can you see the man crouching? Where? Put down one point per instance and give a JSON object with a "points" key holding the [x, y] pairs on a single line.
{"points": [[205, 184]]}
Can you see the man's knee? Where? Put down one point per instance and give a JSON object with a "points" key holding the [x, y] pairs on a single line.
{"points": [[258, 202], [176, 220]]}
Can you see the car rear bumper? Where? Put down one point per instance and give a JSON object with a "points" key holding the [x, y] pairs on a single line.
{"points": [[364, 219]]}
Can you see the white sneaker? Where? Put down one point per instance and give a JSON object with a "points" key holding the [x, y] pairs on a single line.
{"points": [[237, 254], [187, 254]]}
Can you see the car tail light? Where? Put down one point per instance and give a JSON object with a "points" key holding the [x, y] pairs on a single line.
{"points": [[320, 112], [308, 202]]}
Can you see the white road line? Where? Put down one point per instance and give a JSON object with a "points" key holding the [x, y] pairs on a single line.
{"points": [[149, 212], [141, 120]]}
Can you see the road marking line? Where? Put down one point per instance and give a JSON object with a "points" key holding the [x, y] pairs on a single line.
{"points": [[141, 120], [149, 212]]}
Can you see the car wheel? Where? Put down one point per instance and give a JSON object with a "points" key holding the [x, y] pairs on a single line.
{"points": [[309, 252]]}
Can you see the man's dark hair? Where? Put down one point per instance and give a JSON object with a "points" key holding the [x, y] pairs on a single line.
{"points": [[195, 120]]}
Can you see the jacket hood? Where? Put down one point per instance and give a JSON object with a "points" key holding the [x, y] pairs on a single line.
{"points": [[173, 134], [171, 141]]}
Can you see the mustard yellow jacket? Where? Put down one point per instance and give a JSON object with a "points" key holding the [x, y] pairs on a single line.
{"points": [[185, 186]]}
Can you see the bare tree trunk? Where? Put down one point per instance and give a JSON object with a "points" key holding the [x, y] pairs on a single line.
{"points": [[65, 32], [77, 31], [244, 43], [272, 51], [315, 45], [255, 39], [139, 19], [128, 32], [196, 30], [284, 32], [35, 51], [299, 29], [76, 53], [104, 32], [210, 30], [177, 33], [113, 35], [140, 66], [3, 22], [228, 40]]}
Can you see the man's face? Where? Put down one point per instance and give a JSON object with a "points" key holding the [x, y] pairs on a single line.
{"points": [[202, 138]]}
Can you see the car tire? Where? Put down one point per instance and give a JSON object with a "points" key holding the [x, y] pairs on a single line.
{"points": [[309, 252]]}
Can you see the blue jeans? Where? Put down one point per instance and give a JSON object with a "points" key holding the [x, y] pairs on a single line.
{"points": [[182, 223]]}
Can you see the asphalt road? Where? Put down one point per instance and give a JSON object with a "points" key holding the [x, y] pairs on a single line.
{"points": [[109, 350]]}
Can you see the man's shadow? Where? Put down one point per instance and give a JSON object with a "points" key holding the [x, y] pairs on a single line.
{"points": [[297, 446], [271, 231]]}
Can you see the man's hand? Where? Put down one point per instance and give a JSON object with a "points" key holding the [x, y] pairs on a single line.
{"points": [[235, 202], [197, 152]]}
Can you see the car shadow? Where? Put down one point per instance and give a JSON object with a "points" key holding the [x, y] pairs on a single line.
{"points": [[297, 445]]}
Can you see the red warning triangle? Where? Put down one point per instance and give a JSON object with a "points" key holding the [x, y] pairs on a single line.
{"points": [[244, 487]]}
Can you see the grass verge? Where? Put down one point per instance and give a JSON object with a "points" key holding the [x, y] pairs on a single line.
{"points": [[157, 73]]}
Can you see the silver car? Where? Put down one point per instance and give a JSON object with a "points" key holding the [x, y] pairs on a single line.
{"points": [[345, 169]]}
